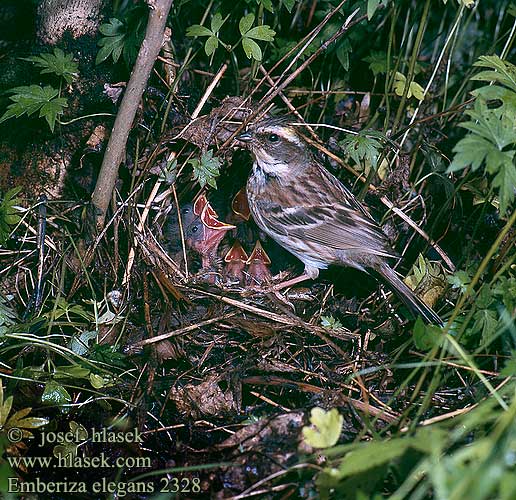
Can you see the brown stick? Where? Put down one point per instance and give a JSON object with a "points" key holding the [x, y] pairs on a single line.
{"points": [[147, 55]]}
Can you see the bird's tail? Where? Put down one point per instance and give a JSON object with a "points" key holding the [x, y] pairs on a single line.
{"points": [[409, 298]]}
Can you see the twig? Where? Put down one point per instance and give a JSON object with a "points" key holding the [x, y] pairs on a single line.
{"points": [[147, 55]]}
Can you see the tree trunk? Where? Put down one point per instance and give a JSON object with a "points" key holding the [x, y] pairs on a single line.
{"points": [[79, 17]]}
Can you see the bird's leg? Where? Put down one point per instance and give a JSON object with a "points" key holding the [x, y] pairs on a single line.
{"points": [[291, 282]]}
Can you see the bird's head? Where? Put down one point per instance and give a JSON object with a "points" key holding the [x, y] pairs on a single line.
{"points": [[276, 145]]}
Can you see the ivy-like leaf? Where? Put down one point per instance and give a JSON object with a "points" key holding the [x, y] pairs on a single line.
{"points": [[58, 63], [400, 82], [206, 170], [325, 429]]}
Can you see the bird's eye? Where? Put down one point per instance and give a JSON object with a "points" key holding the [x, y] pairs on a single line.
{"points": [[195, 229], [273, 138]]}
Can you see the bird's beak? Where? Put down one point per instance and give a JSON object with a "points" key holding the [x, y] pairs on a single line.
{"points": [[245, 137]]}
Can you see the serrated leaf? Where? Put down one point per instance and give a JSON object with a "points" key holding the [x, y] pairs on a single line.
{"points": [[112, 28], [216, 22], [246, 23], [27, 100], [206, 169], [58, 63], [264, 33], [460, 280], [362, 148], [198, 30], [325, 429], [503, 71], [505, 181], [252, 49], [211, 45], [377, 62]]}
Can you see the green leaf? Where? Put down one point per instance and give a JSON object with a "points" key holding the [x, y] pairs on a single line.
{"points": [[330, 322], [264, 33], [206, 170], [502, 71], [198, 30], [216, 23], [268, 5], [372, 6], [509, 370], [9, 216], [460, 280], [120, 38], [399, 84], [246, 23], [28, 100], [371, 455], [377, 62], [325, 429], [252, 49], [505, 181], [55, 394], [71, 371], [110, 46], [112, 43], [426, 336], [114, 27], [58, 63], [211, 45], [362, 148], [342, 53], [289, 4], [96, 381]]}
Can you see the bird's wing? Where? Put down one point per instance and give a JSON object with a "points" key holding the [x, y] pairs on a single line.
{"points": [[333, 218], [333, 226]]}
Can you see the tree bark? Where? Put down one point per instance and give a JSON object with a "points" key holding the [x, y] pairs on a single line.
{"points": [[115, 150], [79, 17]]}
